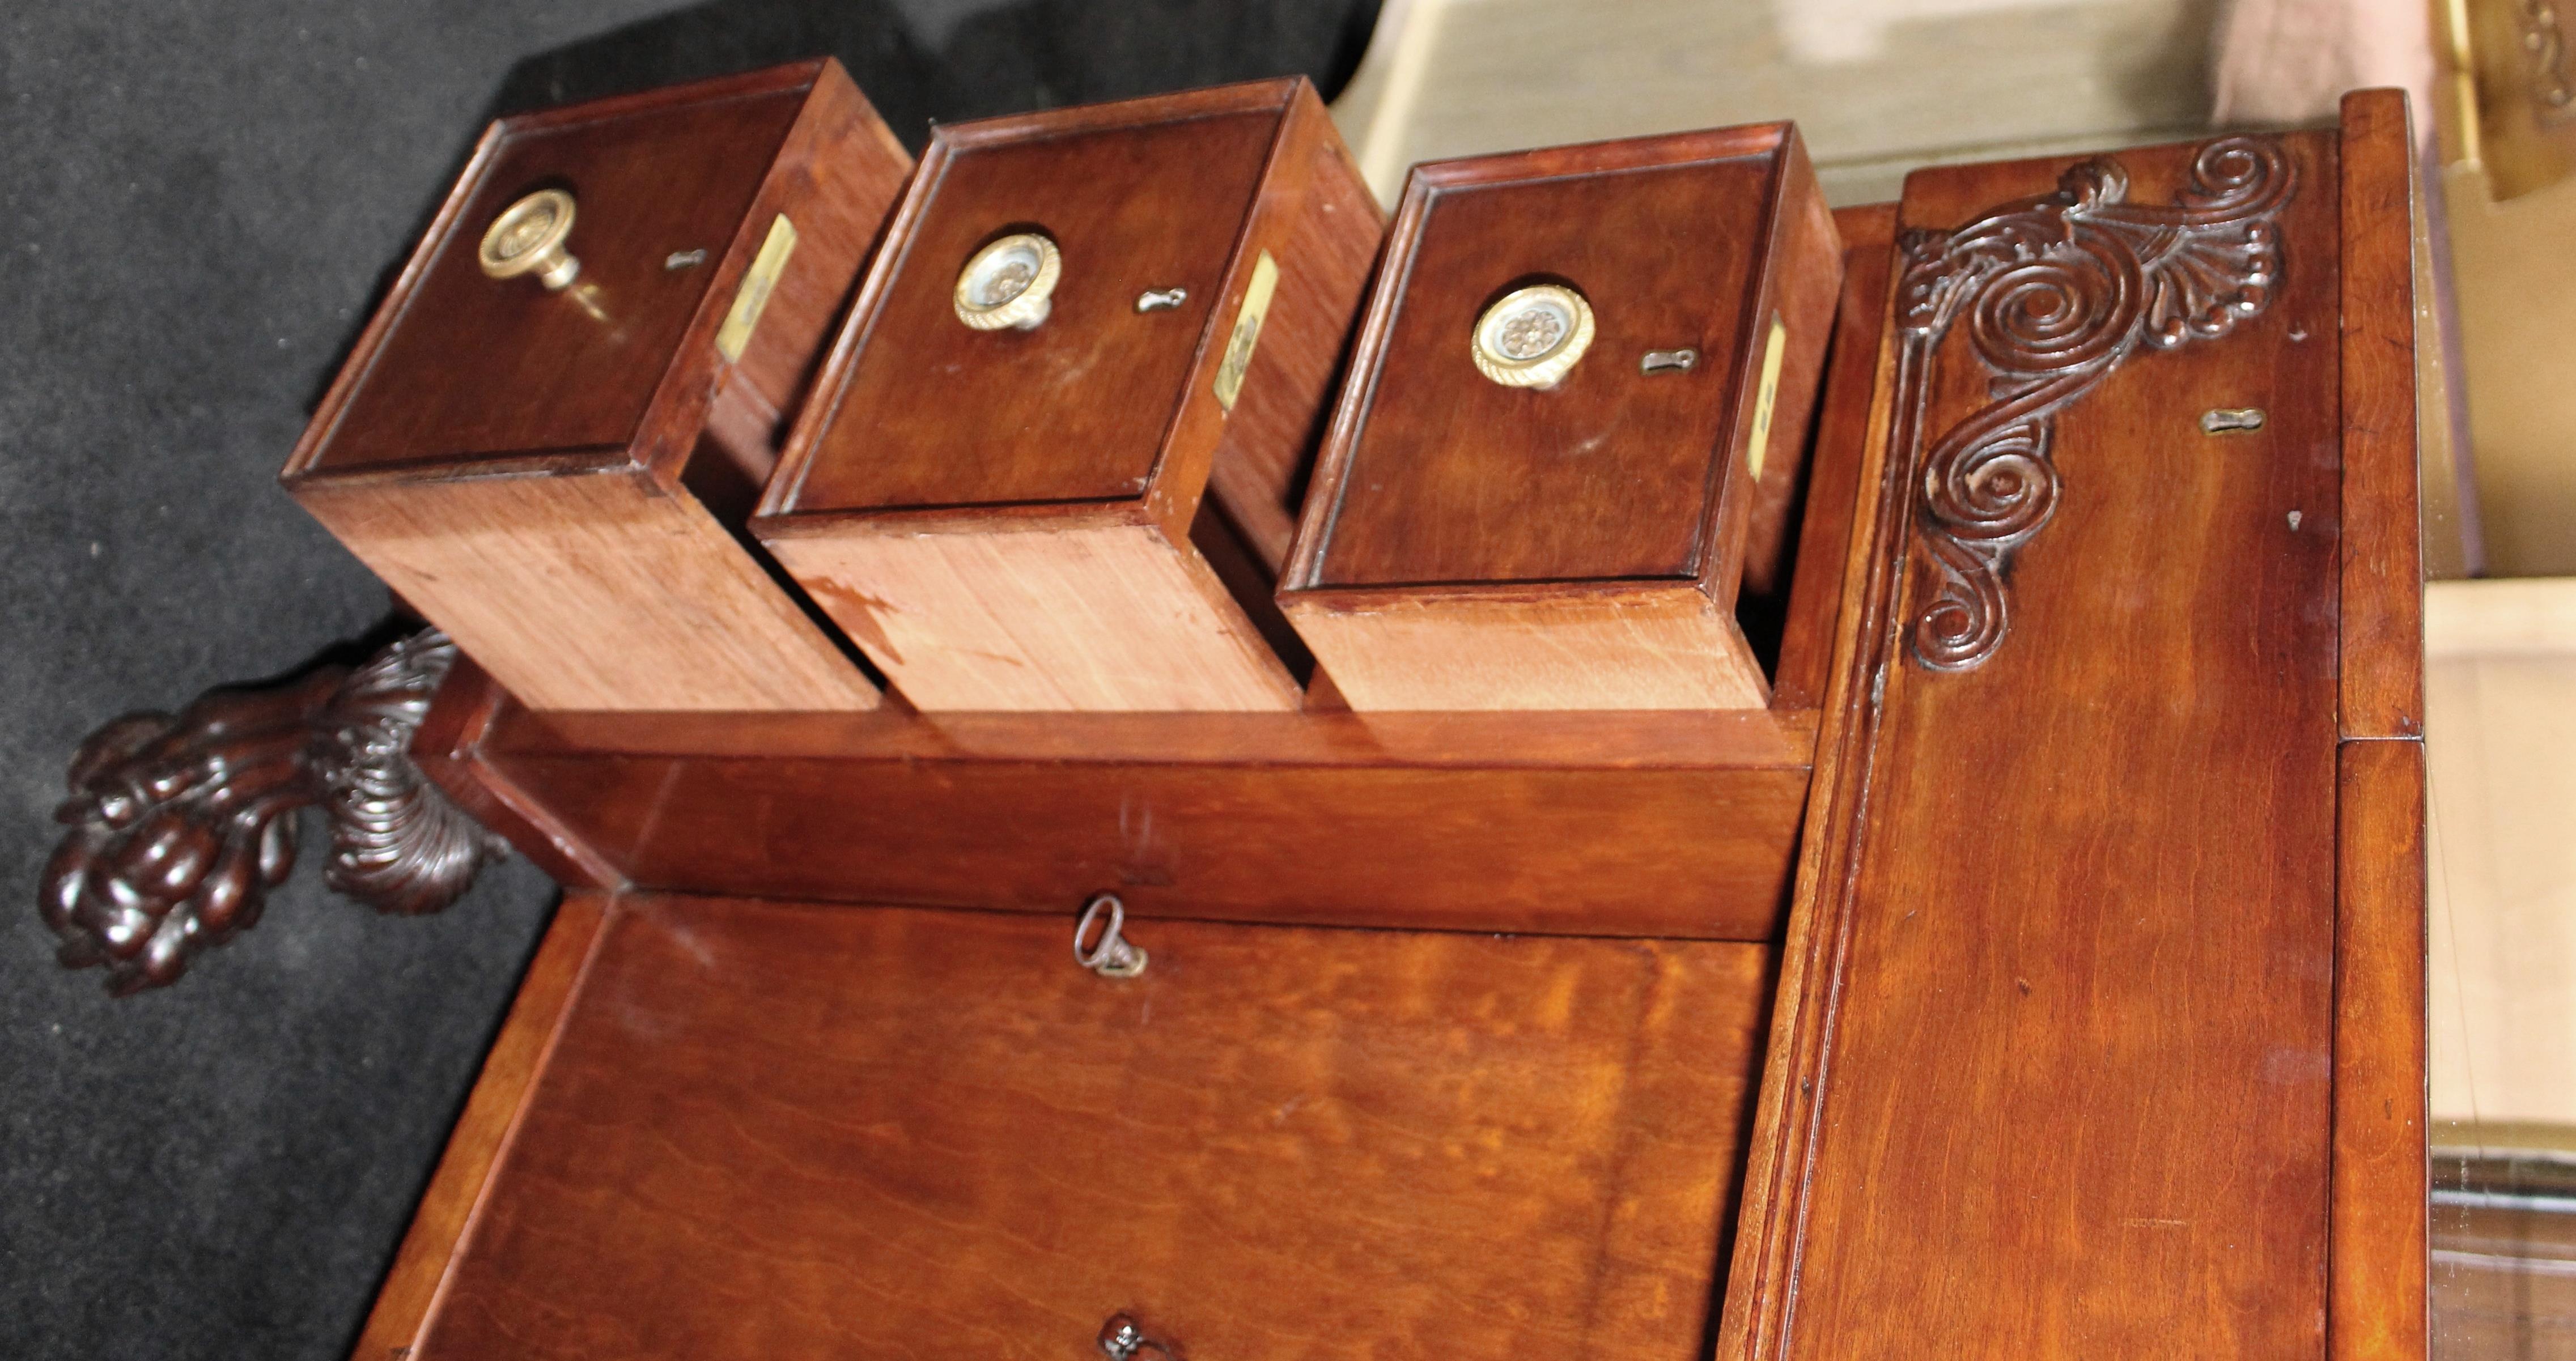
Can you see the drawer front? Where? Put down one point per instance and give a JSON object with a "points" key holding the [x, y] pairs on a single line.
{"points": [[774, 1130], [477, 366], [1611, 472], [939, 414]]}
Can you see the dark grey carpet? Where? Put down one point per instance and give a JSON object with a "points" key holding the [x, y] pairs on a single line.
{"points": [[198, 203]]}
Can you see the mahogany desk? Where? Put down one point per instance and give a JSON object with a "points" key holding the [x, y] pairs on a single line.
{"points": [[2039, 974]]}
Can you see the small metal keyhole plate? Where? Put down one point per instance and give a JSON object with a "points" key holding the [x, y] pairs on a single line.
{"points": [[2220, 420], [1161, 299], [1115, 956]]}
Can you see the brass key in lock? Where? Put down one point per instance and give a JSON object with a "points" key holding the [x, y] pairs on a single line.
{"points": [[1123, 1339]]}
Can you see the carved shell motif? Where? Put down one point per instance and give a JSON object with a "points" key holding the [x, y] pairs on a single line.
{"points": [[2058, 291]]}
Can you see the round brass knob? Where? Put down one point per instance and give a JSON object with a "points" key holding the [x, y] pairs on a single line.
{"points": [[528, 238], [1532, 336], [1008, 283]]}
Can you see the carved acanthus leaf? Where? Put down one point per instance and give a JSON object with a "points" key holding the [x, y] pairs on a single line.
{"points": [[2058, 291]]}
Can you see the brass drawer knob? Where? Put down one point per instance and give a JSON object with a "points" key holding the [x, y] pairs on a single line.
{"points": [[1532, 336], [528, 238], [1007, 283]]}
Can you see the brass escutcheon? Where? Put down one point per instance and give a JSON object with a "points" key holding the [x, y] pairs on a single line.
{"points": [[528, 238], [1007, 284], [1532, 336]]}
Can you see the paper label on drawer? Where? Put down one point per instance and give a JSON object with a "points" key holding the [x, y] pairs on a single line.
{"points": [[1247, 330], [1758, 443], [752, 299]]}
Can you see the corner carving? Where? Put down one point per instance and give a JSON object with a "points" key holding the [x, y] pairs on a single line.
{"points": [[2058, 291], [180, 824]]}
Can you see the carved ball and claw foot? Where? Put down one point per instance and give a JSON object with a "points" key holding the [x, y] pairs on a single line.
{"points": [[180, 824]]}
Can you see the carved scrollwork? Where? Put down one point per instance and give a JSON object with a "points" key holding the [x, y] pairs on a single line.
{"points": [[2058, 290], [180, 824]]}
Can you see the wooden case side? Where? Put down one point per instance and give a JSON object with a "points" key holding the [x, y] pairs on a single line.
{"points": [[2383, 566], [1806, 276], [598, 591], [1754, 1320], [448, 750], [1838, 502], [831, 384], [1653, 646], [1900, 828], [1101, 617], [2378, 1308], [1324, 258], [451, 1203], [835, 181], [1683, 851]]}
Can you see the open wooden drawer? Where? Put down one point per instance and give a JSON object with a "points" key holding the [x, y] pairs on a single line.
{"points": [[770, 1129]]}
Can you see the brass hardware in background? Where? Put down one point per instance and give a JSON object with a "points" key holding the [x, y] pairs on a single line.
{"points": [[2519, 112], [752, 298], [1007, 284], [1161, 299], [1668, 361], [1246, 335], [528, 238], [2221, 420], [1533, 336]]}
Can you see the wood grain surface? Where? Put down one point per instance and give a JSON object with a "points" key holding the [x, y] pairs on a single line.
{"points": [[600, 590], [2383, 560], [1004, 519], [557, 479], [2059, 1083], [1607, 474], [1580, 546], [448, 748], [940, 414], [2379, 1290], [1831, 507], [457, 1189], [1610, 824], [477, 368], [780, 1130]]}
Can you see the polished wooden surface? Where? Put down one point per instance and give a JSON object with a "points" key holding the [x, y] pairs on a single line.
{"points": [[1469, 545], [2383, 566], [557, 479], [2380, 1249], [1610, 473], [2379, 1258], [772, 1129], [2055, 1079], [2098, 1022], [1609, 824], [1836, 482], [938, 414], [605, 590], [456, 1193], [448, 748], [475, 368], [1004, 519]]}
